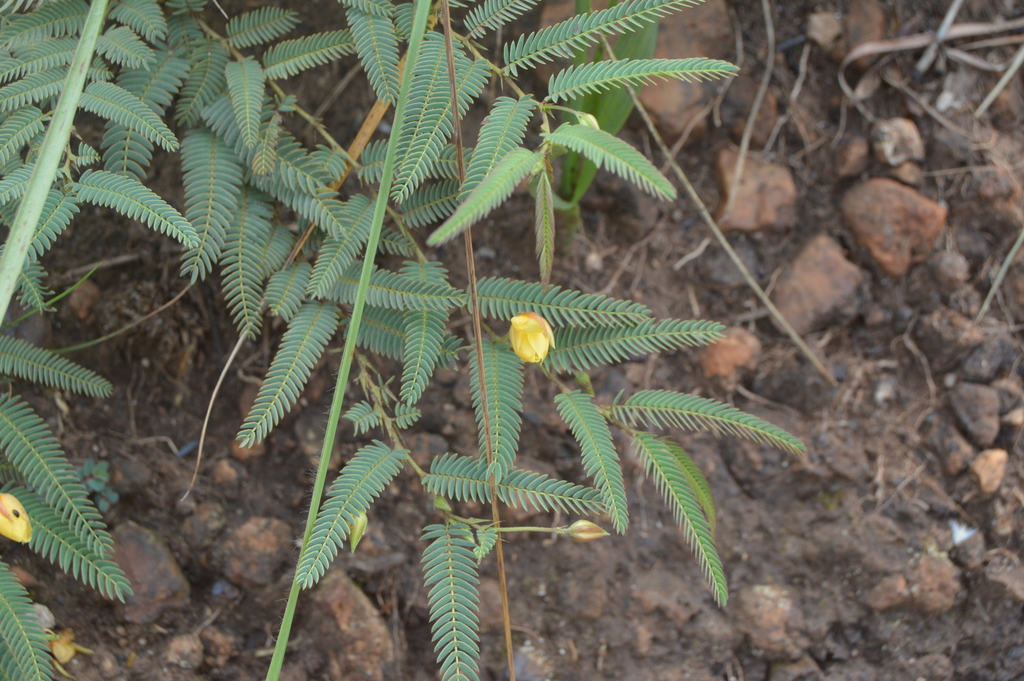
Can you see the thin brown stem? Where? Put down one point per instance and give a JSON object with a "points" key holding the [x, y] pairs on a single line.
{"points": [[478, 343]]}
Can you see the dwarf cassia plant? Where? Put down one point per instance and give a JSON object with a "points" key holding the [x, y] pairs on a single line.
{"points": [[168, 77]]}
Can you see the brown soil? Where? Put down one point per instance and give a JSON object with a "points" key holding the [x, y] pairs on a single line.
{"points": [[831, 558]]}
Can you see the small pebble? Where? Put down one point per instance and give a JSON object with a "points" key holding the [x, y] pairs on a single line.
{"points": [[990, 469]]}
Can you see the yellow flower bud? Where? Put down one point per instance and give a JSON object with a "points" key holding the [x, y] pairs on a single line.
{"points": [[13, 519], [584, 530], [63, 646], [531, 337], [356, 532]]}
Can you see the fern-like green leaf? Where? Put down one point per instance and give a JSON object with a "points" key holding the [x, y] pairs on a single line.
{"points": [[33, 294], [363, 417], [382, 8], [377, 47], [15, 184], [122, 46], [600, 461], [26, 656], [245, 85], [28, 444], [213, 182], [430, 203], [32, 88], [242, 260], [260, 26], [52, 539], [493, 14], [158, 83], [339, 252], [544, 226], [465, 479], [492, 191], [286, 290], [361, 481], [698, 483], [36, 57], [406, 416], [205, 82], [501, 132], [53, 19], [580, 349], [602, 76], [126, 152], [423, 335], [383, 331], [264, 157], [21, 359], [17, 129], [607, 151], [503, 391], [290, 57], [144, 16], [502, 298], [58, 210], [418, 286], [132, 199], [663, 467], [449, 571], [117, 104], [394, 242], [667, 408], [308, 334], [583, 30], [428, 123]]}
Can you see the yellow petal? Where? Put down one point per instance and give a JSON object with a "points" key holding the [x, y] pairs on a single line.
{"points": [[14, 521]]}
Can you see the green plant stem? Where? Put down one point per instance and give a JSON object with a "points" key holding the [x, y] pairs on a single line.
{"points": [[422, 10], [24, 228]]}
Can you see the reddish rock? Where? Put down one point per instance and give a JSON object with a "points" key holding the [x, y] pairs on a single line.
{"points": [[895, 223], [203, 526], [825, 29], [804, 669], [946, 337], [83, 298], [950, 446], [425, 447], [246, 398], [865, 22], [977, 408], [1011, 580], [348, 625], [888, 593], [990, 469], [852, 157], [667, 592], [908, 173], [700, 31], [254, 552], [773, 621], [736, 109], [949, 268], [184, 651], [156, 579], [820, 284], [935, 584], [766, 196], [226, 473], [896, 141], [220, 646], [727, 357]]}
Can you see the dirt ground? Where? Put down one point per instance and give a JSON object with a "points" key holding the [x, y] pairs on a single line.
{"points": [[847, 564]]}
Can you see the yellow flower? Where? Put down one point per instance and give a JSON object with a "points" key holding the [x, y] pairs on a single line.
{"points": [[531, 336], [13, 519]]}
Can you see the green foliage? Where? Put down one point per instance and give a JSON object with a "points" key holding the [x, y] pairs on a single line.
{"points": [[607, 151], [95, 475], [498, 402], [20, 359], [602, 76], [360, 482], [582, 31], [23, 650], [599, 458], [449, 571], [466, 479], [308, 333], [661, 461], [252, 189], [666, 408]]}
